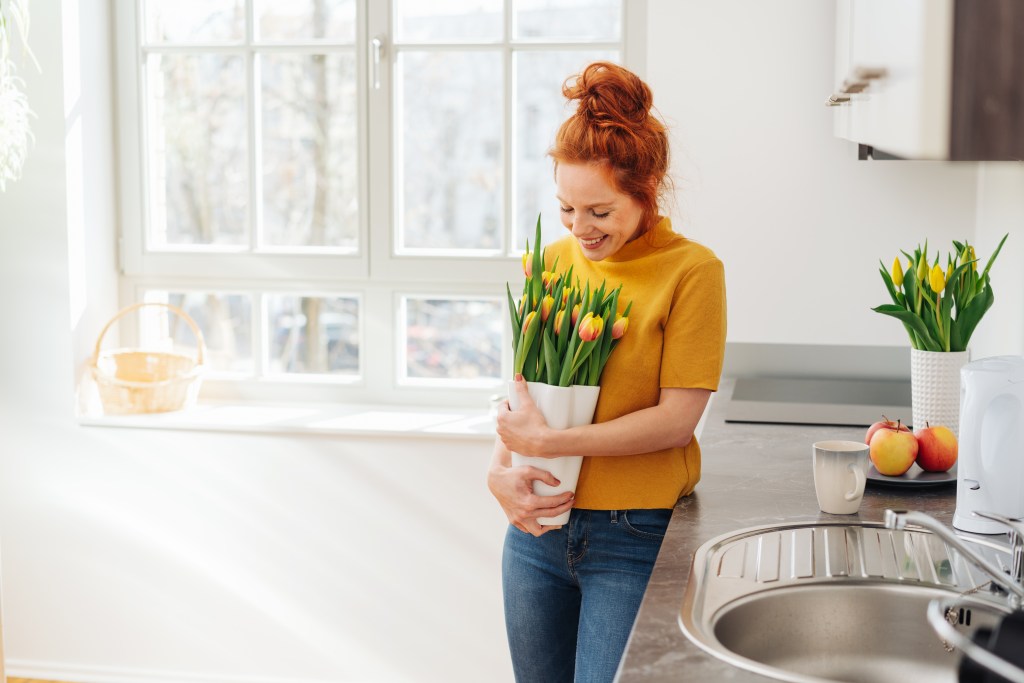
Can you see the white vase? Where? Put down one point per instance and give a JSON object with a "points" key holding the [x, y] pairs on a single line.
{"points": [[562, 407], [935, 387]]}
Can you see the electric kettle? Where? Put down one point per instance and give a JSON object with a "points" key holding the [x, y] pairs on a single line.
{"points": [[990, 467]]}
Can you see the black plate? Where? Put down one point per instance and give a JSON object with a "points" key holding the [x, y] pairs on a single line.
{"points": [[913, 478]]}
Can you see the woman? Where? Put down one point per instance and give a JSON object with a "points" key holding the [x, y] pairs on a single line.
{"points": [[572, 592]]}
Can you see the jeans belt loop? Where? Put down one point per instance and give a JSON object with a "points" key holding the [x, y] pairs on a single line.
{"points": [[615, 516]]}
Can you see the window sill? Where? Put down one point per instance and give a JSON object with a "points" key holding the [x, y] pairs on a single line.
{"points": [[312, 419]]}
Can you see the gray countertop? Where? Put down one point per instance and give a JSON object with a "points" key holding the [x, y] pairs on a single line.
{"points": [[752, 475]]}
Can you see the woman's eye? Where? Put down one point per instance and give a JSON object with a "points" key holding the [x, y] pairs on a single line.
{"points": [[601, 215], [565, 210]]}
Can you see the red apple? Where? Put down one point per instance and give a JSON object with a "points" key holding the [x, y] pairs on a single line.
{"points": [[884, 422], [892, 450], [937, 448]]}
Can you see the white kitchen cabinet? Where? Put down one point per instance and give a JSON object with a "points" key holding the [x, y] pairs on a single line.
{"points": [[931, 79]]}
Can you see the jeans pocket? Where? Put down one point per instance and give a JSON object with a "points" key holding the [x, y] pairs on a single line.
{"points": [[648, 524]]}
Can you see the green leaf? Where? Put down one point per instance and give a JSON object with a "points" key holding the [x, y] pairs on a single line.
{"points": [[513, 310], [973, 313], [913, 321], [551, 360], [992, 258]]}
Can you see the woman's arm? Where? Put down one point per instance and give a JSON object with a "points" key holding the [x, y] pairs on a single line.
{"points": [[666, 425], [513, 487]]}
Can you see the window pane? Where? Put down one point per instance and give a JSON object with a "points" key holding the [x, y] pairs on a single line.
{"points": [[313, 335], [450, 157], [457, 339], [194, 21], [333, 20], [224, 319], [417, 21], [594, 20], [310, 150], [539, 110], [199, 169]]}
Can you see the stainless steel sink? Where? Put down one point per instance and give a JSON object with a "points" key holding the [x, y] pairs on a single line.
{"points": [[834, 602]]}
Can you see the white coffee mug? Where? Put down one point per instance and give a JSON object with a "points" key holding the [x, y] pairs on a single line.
{"points": [[840, 471]]}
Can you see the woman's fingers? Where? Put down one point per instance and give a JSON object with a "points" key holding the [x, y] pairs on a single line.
{"points": [[537, 474]]}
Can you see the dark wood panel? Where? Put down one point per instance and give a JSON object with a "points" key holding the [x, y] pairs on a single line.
{"points": [[988, 80]]}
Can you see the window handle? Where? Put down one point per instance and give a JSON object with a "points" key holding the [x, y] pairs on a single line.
{"points": [[376, 47]]}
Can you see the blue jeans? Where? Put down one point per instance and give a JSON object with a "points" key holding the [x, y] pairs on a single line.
{"points": [[572, 594]]}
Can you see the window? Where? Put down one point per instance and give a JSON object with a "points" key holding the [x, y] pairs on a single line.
{"points": [[338, 190]]}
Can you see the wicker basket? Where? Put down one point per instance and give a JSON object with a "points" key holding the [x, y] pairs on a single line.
{"points": [[133, 381]]}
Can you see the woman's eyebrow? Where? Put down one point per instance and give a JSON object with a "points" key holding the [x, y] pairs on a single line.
{"points": [[589, 206]]}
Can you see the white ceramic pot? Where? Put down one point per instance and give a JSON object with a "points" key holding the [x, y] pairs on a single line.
{"points": [[562, 407], [935, 387]]}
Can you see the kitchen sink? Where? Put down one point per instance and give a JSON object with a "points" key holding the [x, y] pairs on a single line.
{"points": [[820, 602]]}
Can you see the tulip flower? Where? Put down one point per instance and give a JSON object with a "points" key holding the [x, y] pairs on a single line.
{"points": [[937, 279], [922, 269], [545, 307], [528, 264], [528, 319], [947, 302], [565, 294], [591, 327], [522, 304], [620, 326], [897, 272], [575, 313], [559, 319]]}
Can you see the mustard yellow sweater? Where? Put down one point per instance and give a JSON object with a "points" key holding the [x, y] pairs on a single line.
{"points": [[676, 338]]}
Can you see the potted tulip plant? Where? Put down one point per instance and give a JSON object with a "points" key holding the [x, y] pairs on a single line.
{"points": [[940, 308], [561, 341]]}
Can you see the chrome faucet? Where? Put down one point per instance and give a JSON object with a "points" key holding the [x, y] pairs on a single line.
{"points": [[1012, 583], [940, 610]]}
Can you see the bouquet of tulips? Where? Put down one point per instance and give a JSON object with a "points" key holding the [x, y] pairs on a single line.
{"points": [[939, 307], [561, 331]]}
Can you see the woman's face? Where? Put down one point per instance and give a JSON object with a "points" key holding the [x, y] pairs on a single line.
{"points": [[601, 218]]}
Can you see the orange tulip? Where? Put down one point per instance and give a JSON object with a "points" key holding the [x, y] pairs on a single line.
{"points": [[529, 319], [591, 327], [528, 264], [545, 307], [575, 313], [620, 327]]}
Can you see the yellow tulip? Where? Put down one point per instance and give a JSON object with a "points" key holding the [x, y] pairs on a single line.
{"points": [[545, 307], [559, 319], [897, 272], [922, 269], [937, 279], [528, 264], [974, 258], [949, 272], [575, 313]]}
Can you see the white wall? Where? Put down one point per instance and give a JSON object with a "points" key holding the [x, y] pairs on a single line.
{"points": [[799, 223], [1001, 211], [153, 555]]}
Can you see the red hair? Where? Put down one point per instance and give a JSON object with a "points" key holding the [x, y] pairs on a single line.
{"points": [[613, 124]]}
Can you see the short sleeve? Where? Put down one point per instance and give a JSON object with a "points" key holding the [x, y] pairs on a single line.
{"points": [[694, 341]]}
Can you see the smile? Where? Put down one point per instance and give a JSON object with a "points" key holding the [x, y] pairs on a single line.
{"points": [[592, 242]]}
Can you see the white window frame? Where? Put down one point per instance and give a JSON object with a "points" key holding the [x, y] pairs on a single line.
{"points": [[375, 273]]}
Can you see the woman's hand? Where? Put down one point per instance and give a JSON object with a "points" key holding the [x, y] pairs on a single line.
{"points": [[513, 487], [522, 430]]}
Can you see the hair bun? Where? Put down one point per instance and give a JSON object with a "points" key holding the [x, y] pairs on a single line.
{"points": [[610, 95]]}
